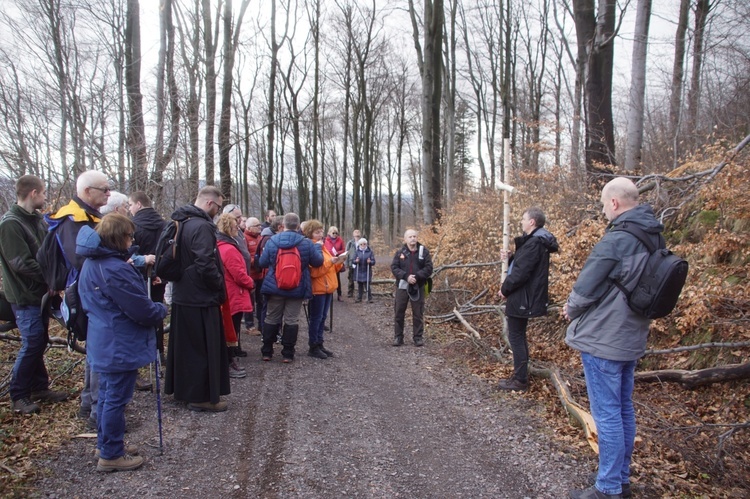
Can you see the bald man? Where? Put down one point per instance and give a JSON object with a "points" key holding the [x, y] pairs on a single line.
{"points": [[411, 266], [610, 336]]}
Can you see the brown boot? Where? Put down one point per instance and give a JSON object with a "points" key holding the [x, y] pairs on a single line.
{"points": [[122, 463]]}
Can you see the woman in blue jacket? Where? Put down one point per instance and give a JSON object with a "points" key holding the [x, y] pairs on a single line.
{"points": [[121, 334], [362, 263]]}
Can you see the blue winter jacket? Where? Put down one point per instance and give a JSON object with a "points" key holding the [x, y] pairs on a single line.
{"points": [[363, 270], [310, 255], [121, 315]]}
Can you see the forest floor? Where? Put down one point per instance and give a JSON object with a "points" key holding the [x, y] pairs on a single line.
{"points": [[375, 421]]}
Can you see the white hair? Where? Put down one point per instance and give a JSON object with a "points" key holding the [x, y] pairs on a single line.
{"points": [[362, 241], [115, 199], [87, 179]]}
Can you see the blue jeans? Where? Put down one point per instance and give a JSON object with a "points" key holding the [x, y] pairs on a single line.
{"points": [[115, 391], [29, 372], [610, 387], [318, 308]]}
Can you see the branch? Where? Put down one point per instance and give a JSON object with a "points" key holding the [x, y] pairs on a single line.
{"points": [[473, 331], [693, 379], [689, 348]]}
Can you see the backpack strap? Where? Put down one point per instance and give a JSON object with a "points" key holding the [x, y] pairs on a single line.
{"points": [[643, 237]]}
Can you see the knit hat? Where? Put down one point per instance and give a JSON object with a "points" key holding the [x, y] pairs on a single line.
{"points": [[362, 241]]}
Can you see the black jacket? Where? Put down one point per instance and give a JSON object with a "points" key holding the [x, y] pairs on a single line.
{"points": [[202, 282], [406, 263], [526, 286], [148, 227]]}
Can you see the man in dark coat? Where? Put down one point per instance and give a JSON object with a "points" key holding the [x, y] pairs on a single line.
{"points": [[412, 267], [525, 289], [148, 227], [197, 357], [283, 305]]}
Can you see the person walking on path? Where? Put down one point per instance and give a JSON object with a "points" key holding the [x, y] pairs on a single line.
{"points": [[364, 260], [412, 267], [197, 361], [610, 336], [22, 230], [351, 248], [283, 305], [335, 246], [120, 331], [526, 291], [324, 283]]}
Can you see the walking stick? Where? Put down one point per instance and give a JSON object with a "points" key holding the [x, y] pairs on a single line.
{"points": [[157, 370], [367, 285]]}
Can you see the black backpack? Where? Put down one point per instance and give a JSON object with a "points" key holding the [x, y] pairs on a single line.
{"points": [[168, 265], [51, 259], [661, 282]]}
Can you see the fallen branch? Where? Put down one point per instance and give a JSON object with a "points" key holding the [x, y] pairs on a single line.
{"points": [[473, 331], [693, 379], [575, 410], [53, 340], [689, 348]]}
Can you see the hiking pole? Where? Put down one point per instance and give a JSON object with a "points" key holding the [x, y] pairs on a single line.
{"points": [[157, 370], [367, 286]]}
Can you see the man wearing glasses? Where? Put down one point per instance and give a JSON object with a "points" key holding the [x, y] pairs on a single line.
{"points": [[92, 192], [197, 357]]}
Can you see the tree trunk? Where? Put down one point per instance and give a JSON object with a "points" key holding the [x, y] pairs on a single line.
{"points": [[270, 204], [637, 87], [209, 49], [702, 8], [136, 126], [678, 69], [694, 379]]}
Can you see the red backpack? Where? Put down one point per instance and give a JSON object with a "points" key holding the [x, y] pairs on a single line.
{"points": [[288, 268]]}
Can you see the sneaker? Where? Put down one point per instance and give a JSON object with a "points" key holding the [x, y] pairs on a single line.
{"points": [[129, 449], [25, 406], [122, 463], [49, 396], [512, 385], [626, 492], [418, 342], [287, 360], [235, 371], [398, 341], [220, 406], [592, 493]]}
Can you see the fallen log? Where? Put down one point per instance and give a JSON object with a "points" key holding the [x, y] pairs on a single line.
{"points": [[694, 379], [473, 331]]}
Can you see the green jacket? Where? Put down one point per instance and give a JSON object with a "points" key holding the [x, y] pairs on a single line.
{"points": [[21, 234]]}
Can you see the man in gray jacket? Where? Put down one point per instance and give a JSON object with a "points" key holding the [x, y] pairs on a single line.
{"points": [[610, 336]]}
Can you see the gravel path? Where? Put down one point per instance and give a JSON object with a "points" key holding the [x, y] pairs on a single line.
{"points": [[376, 421]]}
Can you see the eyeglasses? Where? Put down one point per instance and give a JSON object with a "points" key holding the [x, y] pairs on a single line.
{"points": [[256, 225], [230, 208], [130, 235], [105, 190], [334, 233]]}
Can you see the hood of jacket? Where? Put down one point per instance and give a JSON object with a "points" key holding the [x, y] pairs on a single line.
{"points": [[222, 238], [643, 216], [148, 219], [547, 239], [190, 211], [267, 232], [288, 238], [89, 245]]}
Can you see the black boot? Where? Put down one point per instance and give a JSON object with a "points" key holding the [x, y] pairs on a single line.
{"points": [[315, 351], [288, 341], [238, 351], [269, 338], [326, 351], [398, 341]]}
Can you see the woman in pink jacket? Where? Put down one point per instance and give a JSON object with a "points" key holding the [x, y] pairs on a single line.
{"points": [[335, 246], [239, 284]]}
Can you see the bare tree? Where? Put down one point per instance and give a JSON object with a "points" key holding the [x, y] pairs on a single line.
{"points": [[702, 9], [136, 126], [678, 71], [210, 41], [637, 86]]}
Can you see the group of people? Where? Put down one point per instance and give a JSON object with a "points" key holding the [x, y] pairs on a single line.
{"points": [[235, 268]]}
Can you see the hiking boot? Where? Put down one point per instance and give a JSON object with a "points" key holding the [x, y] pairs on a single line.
{"points": [[626, 492], [326, 351], [219, 406], [266, 358], [512, 385], [142, 385], [122, 463], [592, 493], [91, 423], [316, 352], [418, 342], [398, 341], [235, 371], [287, 360], [130, 449], [84, 412], [239, 352], [25, 406], [49, 396]]}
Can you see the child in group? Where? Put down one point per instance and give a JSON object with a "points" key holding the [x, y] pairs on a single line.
{"points": [[362, 263]]}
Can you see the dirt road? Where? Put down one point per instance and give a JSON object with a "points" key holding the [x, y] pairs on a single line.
{"points": [[375, 421]]}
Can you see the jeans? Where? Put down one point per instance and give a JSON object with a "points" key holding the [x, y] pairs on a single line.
{"points": [[115, 391], [90, 391], [417, 311], [29, 372], [318, 307], [610, 387], [520, 347]]}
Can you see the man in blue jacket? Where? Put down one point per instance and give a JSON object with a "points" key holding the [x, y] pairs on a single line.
{"points": [[525, 289], [283, 305], [610, 336]]}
